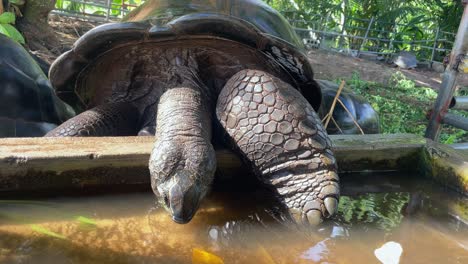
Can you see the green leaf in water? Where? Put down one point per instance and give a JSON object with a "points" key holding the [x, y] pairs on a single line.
{"points": [[85, 220], [46, 231], [7, 18]]}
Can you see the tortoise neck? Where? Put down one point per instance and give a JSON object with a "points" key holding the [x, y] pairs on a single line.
{"points": [[183, 112]]}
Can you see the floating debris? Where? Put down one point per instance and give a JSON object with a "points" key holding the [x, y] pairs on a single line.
{"points": [[389, 253], [200, 256]]}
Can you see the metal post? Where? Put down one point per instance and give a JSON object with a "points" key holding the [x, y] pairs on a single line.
{"points": [[435, 45], [365, 37], [392, 38], [448, 81], [459, 103], [109, 3], [457, 121], [343, 30], [412, 42]]}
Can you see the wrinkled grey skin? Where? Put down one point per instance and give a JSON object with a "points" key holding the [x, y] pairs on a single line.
{"points": [[183, 161]]}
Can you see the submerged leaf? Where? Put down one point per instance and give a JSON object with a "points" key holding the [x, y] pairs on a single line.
{"points": [[265, 257], [200, 256], [46, 232], [85, 220]]}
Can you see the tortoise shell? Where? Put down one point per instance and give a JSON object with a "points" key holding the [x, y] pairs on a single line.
{"points": [[103, 58]]}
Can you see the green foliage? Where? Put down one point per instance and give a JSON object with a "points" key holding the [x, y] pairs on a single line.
{"points": [[98, 9], [403, 22], [6, 28], [446, 13], [403, 107], [7, 18]]}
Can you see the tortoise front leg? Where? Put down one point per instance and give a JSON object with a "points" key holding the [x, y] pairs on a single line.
{"points": [[275, 128], [113, 119]]}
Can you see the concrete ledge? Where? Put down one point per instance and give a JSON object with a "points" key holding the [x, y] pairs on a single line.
{"points": [[63, 163], [446, 165]]}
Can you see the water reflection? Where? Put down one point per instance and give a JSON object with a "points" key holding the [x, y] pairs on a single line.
{"points": [[428, 223]]}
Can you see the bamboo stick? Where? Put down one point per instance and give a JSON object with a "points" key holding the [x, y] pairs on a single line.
{"points": [[332, 108]]}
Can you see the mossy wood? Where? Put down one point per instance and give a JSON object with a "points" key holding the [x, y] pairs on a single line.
{"points": [[64, 163]]}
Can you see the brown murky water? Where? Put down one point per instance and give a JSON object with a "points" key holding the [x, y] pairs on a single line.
{"points": [[430, 224]]}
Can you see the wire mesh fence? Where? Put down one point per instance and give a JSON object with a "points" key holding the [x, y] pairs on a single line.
{"points": [[372, 38], [354, 36], [97, 10]]}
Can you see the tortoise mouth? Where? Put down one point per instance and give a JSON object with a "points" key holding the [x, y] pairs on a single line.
{"points": [[181, 220]]}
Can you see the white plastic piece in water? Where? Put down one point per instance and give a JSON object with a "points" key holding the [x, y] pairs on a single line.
{"points": [[338, 231], [389, 253], [318, 252], [213, 234]]}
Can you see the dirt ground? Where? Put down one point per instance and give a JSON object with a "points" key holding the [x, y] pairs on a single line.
{"points": [[327, 65], [333, 66]]}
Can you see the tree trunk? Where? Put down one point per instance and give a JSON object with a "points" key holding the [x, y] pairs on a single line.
{"points": [[40, 38], [36, 11]]}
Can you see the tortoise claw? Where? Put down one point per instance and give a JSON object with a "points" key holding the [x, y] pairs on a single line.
{"points": [[314, 217], [331, 204]]}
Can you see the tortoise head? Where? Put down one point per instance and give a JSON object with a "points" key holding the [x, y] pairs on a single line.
{"points": [[180, 181]]}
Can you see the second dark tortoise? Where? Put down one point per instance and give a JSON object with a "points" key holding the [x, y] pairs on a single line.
{"points": [[358, 117], [28, 104], [182, 69]]}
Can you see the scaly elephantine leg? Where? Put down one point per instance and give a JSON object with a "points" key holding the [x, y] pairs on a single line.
{"points": [[115, 119], [183, 161], [275, 128]]}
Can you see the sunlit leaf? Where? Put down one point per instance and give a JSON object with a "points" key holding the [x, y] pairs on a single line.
{"points": [[7, 18], [200, 256], [17, 2], [11, 32], [4, 31]]}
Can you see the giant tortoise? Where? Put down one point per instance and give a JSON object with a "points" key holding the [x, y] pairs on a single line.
{"points": [[185, 69], [28, 104], [352, 115]]}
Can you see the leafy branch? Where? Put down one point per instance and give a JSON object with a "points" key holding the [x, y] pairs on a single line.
{"points": [[7, 20]]}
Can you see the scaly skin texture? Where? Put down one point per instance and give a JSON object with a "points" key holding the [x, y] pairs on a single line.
{"points": [[113, 119], [183, 162], [276, 129]]}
